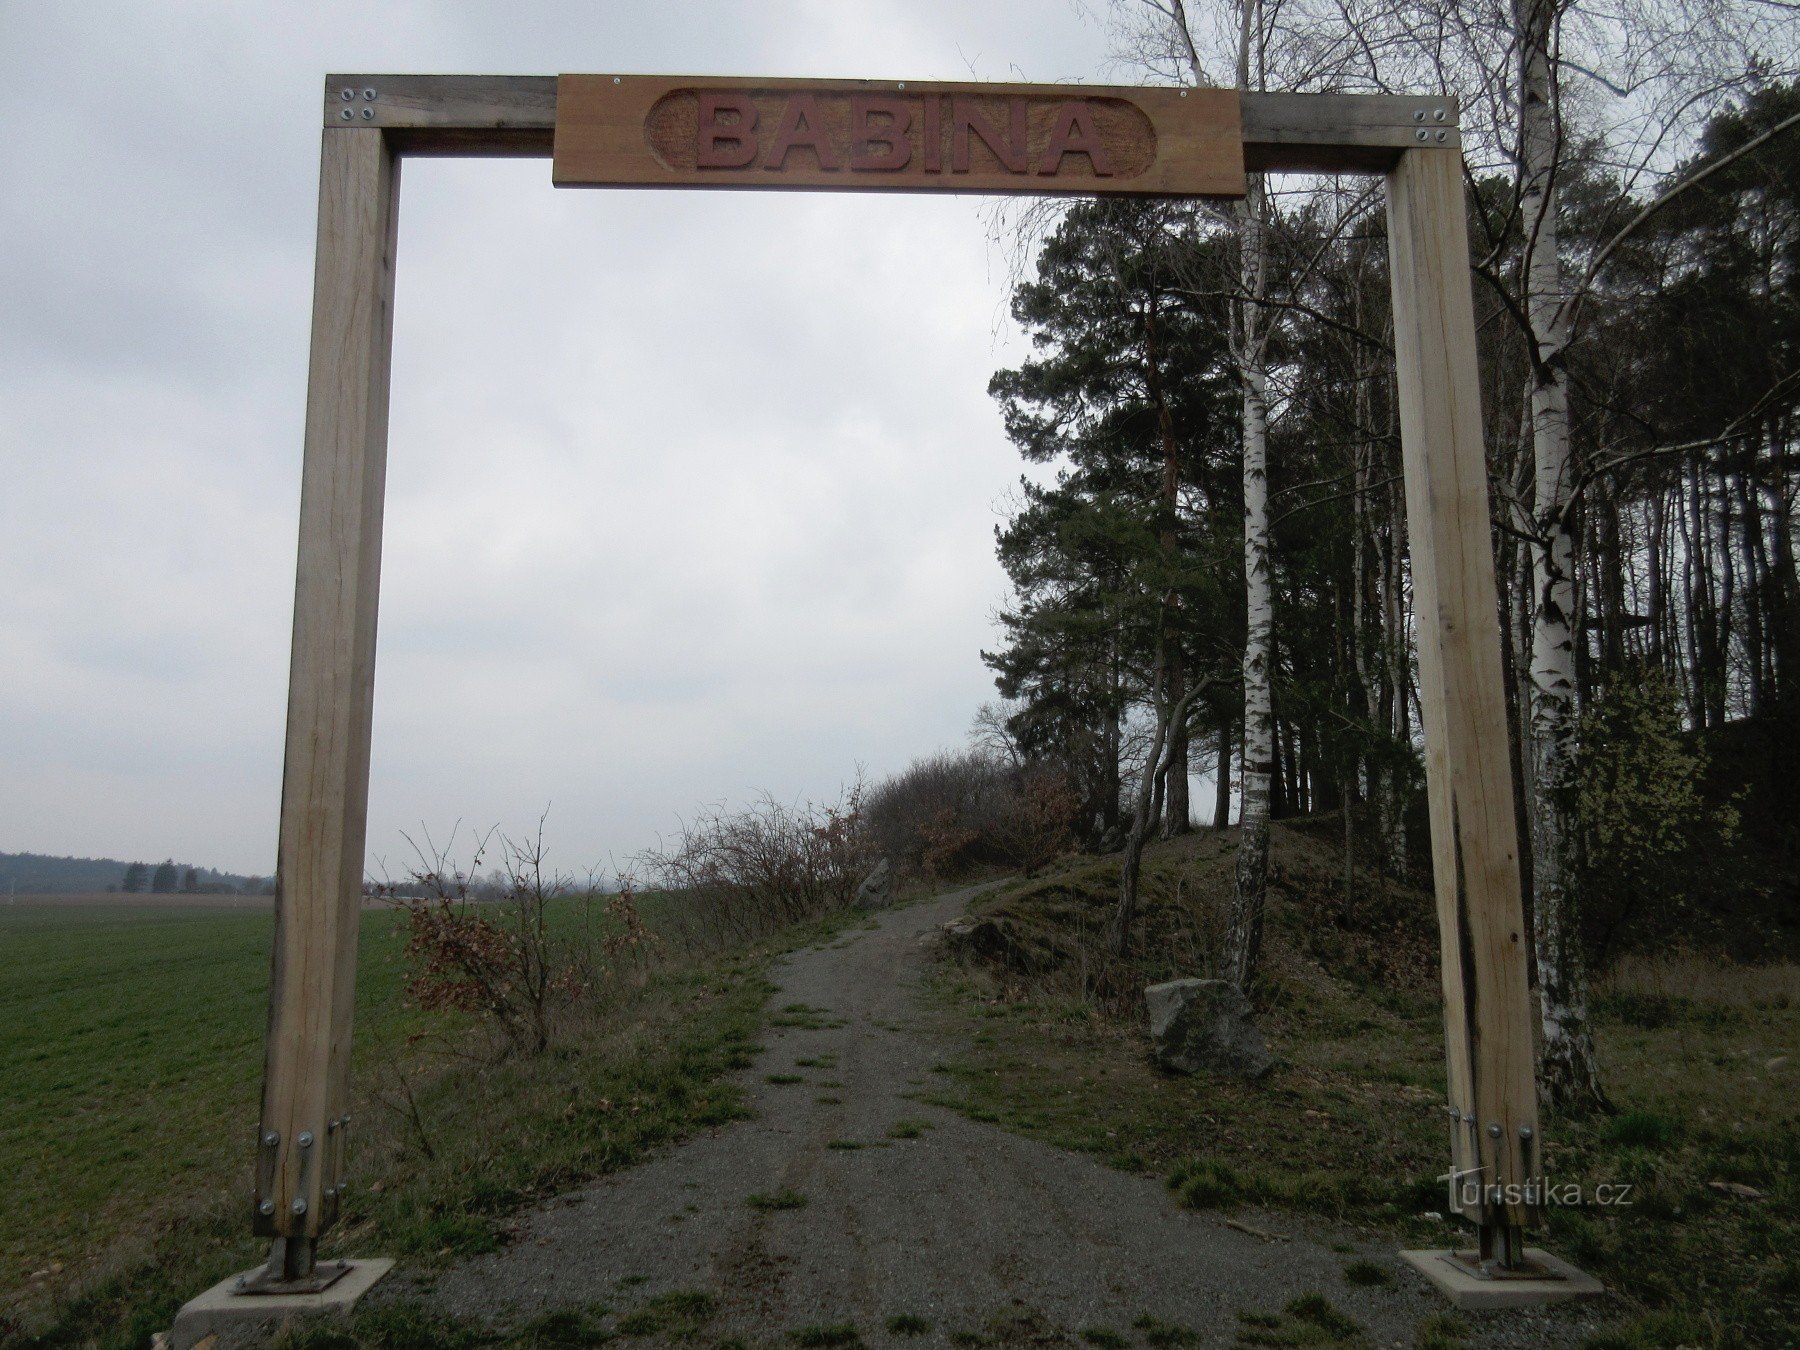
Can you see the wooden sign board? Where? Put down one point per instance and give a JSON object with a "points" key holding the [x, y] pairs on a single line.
{"points": [[875, 136]]}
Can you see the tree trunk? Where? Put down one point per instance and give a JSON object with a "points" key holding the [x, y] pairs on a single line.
{"points": [[1173, 806], [1568, 1072], [1222, 788], [1243, 938], [1118, 933]]}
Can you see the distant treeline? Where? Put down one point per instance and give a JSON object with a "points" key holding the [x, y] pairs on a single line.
{"points": [[39, 873]]}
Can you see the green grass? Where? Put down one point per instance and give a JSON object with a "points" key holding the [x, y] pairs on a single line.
{"points": [[647, 1071], [565, 1327], [131, 1053], [1350, 1123], [908, 1129], [908, 1324], [1369, 1274], [769, 1201], [680, 1314], [1157, 1332], [824, 1335], [1442, 1331]]}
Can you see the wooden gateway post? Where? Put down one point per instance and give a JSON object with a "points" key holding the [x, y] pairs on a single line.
{"points": [[643, 131]]}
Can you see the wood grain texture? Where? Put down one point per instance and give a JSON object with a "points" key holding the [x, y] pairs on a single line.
{"points": [[488, 116], [1468, 768], [515, 115], [331, 687], [1343, 133], [652, 131]]}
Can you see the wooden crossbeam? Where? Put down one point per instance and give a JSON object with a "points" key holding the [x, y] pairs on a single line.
{"points": [[513, 116]]}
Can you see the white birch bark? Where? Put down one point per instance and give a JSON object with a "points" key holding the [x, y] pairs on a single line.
{"points": [[1243, 938], [1568, 1072]]}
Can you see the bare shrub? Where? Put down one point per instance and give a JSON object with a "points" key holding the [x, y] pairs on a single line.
{"points": [[737, 875], [1036, 824], [952, 814], [519, 962], [937, 815]]}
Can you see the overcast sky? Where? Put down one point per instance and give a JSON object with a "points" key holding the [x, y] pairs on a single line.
{"points": [[689, 495]]}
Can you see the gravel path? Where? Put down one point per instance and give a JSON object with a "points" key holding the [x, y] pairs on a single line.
{"points": [[959, 1226]]}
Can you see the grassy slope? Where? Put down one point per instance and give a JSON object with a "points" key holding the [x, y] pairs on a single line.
{"points": [[131, 1051], [488, 1138], [1351, 1123]]}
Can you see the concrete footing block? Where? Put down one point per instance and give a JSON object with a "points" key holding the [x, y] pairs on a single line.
{"points": [[222, 1318], [1472, 1293]]}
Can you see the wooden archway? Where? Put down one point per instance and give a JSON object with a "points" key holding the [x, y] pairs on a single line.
{"points": [[873, 136]]}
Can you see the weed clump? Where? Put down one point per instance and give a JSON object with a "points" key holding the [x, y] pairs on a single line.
{"points": [[1640, 1129], [785, 1198], [834, 1334], [677, 1315], [1368, 1274]]}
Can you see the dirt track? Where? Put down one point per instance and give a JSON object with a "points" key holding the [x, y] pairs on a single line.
{"points": [[959, 1226]]}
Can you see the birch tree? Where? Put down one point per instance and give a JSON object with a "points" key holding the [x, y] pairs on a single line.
{"points": [[1546, 83]]}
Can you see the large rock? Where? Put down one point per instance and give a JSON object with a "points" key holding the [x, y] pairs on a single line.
{"points": [[877, 889], [1206, 1024]]}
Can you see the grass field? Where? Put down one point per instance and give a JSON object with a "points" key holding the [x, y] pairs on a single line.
{"points": [[1696, 1054], [131, 1050], [131, 1053]]}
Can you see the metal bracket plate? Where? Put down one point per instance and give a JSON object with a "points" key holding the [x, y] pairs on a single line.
{"points": [[266, 1281]]}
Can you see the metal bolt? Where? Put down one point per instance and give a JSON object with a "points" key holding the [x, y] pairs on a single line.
{"points": [[1437, 114], [1455, 1114], [346, 114], [299, 1206], [1419, 115], [369, 116], [271, 1139], [266, 1207], [346, 94], [1494, 1130], [1420, 133], [344, 1119], [1525, 1132], [305, 1139], [1184, 93], [901, 85], [1442, 135], [240, 1282], [616, 80], [368, 96]]}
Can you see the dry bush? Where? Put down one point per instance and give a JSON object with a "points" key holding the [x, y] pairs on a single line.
{"points": [[1036, 824], [508, 960], [952, 814], [740, 874]]}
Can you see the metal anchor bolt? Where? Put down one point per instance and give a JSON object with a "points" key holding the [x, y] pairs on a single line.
{"points": [[271, 1139], [299, 1206], [1494, 1130], [266, 1207], [305, 1139]]}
